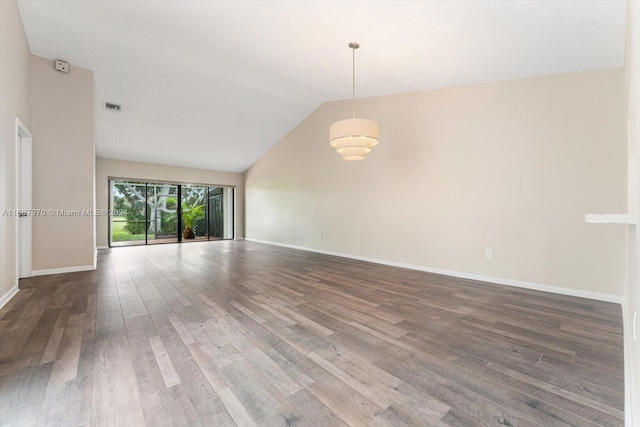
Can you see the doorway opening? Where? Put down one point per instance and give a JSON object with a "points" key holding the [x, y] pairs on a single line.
{"points": [[23, 201]]}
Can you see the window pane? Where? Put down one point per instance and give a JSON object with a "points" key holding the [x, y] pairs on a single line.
{"points": [[129, 199]]}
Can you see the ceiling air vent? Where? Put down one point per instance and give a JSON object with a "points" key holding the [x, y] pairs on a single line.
{"points": [[112, 107]]}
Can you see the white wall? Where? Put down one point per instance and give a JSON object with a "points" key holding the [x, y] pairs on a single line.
{"points": [[63, 166], [632, 291], [107, 168], [512, 166], [15, 92]]}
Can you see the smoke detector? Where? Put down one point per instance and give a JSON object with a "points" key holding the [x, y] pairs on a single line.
{"points": [[62, 66]]}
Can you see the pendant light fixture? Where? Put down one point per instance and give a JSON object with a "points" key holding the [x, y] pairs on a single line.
{"points": [[353, 138]]}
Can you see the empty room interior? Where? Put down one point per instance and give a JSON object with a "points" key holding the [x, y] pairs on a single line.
{"points": [[319, 213]]}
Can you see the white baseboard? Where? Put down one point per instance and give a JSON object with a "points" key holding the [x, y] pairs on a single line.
{"points": [[101, 247], [471, 276], [4, 299], [63, 270]]}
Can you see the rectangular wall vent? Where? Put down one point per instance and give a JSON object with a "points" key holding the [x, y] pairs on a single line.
{"points": [[112, 107]]}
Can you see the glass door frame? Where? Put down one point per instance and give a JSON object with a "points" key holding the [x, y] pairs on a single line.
{"points": [[228, 191]]}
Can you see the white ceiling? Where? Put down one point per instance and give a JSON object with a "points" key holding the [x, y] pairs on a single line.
{"points": [[215, 84]]}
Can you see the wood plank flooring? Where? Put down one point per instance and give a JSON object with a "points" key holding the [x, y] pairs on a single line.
{"points": [[240, 333]]}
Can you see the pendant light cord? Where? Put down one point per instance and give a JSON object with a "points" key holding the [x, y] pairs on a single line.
{"points": [[353, 105]]}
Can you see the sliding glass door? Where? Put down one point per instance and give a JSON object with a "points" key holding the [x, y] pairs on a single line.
{"points": [[220, 212], [159, 212], [194, 213], [162, 203], [129, 200]]}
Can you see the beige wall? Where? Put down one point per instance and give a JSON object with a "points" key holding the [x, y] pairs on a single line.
{"points": [[512, 166], [63, 165], [107, 168], [632, 291], [14, 102]]}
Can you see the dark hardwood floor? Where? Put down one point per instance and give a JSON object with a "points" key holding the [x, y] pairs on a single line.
{"points": [[227, 333]]}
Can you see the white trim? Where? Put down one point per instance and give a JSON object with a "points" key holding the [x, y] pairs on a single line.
{"points": [[63, 270], [101, 247], [95, 258], [629, 219], [4, 299], [629, 403], [22, 136], [618, 299]]}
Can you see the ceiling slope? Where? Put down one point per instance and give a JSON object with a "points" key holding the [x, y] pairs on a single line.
{"points": [[215, 84]]}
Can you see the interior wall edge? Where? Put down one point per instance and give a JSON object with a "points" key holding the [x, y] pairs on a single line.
{"points": [[612, 298]]}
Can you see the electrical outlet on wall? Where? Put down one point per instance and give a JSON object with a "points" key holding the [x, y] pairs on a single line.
{"points": [[488, 253]]}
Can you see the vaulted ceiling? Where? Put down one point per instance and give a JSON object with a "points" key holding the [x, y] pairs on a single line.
{"points": [[215, 84]]}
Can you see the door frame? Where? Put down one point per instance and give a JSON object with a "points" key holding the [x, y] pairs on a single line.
{"points": [[24, 144], [230, 212]]}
